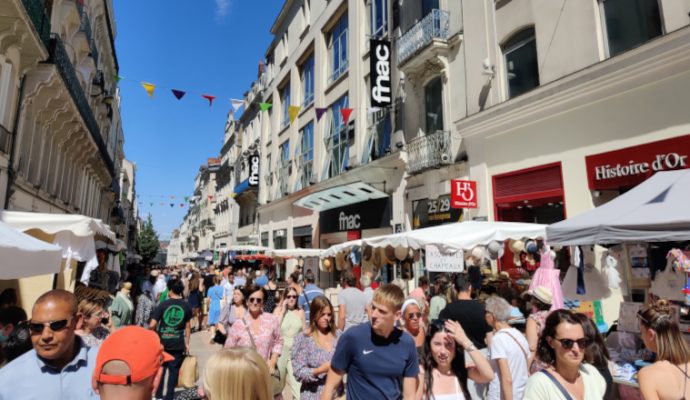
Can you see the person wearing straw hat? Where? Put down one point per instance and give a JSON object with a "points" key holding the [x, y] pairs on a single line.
{"points": [[541, 299]]}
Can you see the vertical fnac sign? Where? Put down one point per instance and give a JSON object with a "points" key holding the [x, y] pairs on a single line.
{"points": [[380, 72], [463, 194], [254, 170]]}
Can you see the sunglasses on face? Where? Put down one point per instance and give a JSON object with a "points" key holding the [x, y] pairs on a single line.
{"points": [[256, 300], [55, 326], [414, 315], [292, 296], [568, 344]]}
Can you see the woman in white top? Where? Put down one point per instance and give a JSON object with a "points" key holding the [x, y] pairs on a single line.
{"points": [[444, 373], [562, 347], [509, 352]]}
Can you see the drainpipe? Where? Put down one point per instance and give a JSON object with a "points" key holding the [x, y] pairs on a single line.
{"points": [[13, 146]]}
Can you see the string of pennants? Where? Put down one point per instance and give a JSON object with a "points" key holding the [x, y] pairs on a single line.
{"points": [[183, 204], [293, 111]]}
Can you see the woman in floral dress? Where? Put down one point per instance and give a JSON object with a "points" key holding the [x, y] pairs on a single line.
{"points": [[257, 329], [312, 352]]}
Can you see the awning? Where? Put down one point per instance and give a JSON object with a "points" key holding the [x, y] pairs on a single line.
{"points": [[77, 225], [340, 196], [240, 248], [24, 256], [288, 253]]}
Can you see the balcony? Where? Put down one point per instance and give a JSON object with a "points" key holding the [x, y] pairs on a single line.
{"points": [[59, 57], [430, 151], [40, 18], [431, 32], [85, 26]]}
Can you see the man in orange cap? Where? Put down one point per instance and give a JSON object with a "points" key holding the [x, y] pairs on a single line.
{"points": [[129, 365]]}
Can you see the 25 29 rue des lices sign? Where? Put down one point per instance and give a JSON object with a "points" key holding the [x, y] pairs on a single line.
{"points": [[463, 194]]}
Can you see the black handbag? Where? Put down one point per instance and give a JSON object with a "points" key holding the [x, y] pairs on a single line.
{"points": [[219, 337]]}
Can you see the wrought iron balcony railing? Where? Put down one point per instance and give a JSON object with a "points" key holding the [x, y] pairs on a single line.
{"points": [[40, 18], [85, 26], [434, 25], [4, 139], [59, 57], [430, 151]]}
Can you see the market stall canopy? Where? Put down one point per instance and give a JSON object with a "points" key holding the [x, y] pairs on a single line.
{"points": [[449, 237], [654, 211], [287, 253], [77, 225], [24, 256], [240, 248]]}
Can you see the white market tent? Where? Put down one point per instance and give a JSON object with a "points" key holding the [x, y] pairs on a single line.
{"points": [[298, 252], [654, 211], [24, 256], [449, 237]]}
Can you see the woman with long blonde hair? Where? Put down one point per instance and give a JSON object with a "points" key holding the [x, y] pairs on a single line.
{"points": [[312, 352], [239, 373], [668, 377]]}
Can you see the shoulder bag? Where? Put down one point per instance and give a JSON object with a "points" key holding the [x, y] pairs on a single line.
{"points": [[275, 376], [558, 385]]}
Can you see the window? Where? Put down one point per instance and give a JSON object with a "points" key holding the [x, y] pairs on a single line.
{"points": [[268, 175], [433, 101], [306, 15], [378, 140], [308, 81], [428, 6], [630, 23], [379, 18], [285, 100], [337, 48], [305, 159], [337, 143], [283, 167], [521, 62]]}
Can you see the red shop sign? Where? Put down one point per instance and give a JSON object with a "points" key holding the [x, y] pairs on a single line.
{"points": [[463, 194], [630, 166]]}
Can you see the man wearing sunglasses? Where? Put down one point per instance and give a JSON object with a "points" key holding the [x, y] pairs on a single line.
{"points": [[60, 364]]}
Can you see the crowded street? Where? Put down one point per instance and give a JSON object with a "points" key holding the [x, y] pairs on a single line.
{"points": [[344, 199]]}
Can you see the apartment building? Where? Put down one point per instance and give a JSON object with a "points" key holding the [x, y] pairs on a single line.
{"points": [[60, 131], [129, 205], [328, 176]]}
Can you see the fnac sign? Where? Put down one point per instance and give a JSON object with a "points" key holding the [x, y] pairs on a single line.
{"points": [[463, 194]]}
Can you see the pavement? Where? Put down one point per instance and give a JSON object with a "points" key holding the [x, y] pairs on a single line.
{"points": [[202, 350]]}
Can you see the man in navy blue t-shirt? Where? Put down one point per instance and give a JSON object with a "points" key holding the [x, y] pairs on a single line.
{"points": [[380, 360]]}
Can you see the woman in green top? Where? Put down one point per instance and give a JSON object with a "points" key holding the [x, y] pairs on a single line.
{"points": [[291, 325]]}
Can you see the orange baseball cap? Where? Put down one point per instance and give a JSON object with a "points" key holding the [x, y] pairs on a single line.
{"points": [[139, 348]]}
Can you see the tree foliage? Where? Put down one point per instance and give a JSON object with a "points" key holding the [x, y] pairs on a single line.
{"points": [[148, 245]]}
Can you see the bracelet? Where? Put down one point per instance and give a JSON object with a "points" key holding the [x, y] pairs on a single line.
{"points": [[470, 348]]}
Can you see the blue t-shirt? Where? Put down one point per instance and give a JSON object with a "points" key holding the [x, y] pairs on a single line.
{"points": [[261, 281], [304, 300], [375, 365]]}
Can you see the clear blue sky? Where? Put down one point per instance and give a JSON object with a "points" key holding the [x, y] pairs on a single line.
{"points": [[199, 46]]}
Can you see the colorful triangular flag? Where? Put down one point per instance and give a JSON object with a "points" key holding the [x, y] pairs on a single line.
{"points": [[319, 113], [186, 198], [118, 78], [236, 104], [151, 204], [149, 87], [172, 205], [345, 112], [293, 112], [265, 106], [181, 204], [172, 197], [179, 94], [209, 98]]}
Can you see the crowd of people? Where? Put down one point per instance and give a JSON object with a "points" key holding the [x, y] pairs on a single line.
{"points": [[444, 340]]}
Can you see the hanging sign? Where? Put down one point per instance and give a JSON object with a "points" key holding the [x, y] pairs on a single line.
{"points": [[463, 194], [254, 170], [439, 262], [380, 72]]}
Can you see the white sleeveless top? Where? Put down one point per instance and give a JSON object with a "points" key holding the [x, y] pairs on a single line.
{"points": [[458, 395]]}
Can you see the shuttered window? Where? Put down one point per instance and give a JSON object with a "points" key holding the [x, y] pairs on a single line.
{"points": [[528, 184]]}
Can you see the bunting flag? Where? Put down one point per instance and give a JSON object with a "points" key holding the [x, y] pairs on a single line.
{"points": [[149, 87], [179, 94], [209, 98], [236, 104], [172, 205], [346, 114], [118, 78], [150, 204], [181, 204], [265, 106], [210, 197], [319, 113], [172, 197], [293, 112], [162, 204], [186, 198]]}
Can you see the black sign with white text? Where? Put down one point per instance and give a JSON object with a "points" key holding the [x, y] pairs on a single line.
{"points": [[380, 72], [370, 214], [254, 170]]}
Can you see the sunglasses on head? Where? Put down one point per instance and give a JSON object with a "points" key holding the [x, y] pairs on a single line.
{"points": [[568, 344], [414, 315], [256, 300], [55, 326]]}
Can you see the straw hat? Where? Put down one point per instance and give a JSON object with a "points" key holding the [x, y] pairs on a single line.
{"points": [[495, 250], [340, 260], [389, 252], [367, 252], [516, 246], [401, 253], [377, 257], [327, 264], [543, 294], [531, 247]]}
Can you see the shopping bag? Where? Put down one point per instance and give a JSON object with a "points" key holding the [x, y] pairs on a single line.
{"points": [[189, 373]]}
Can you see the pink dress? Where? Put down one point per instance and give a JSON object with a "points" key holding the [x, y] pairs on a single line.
{"points": [[268, 340], [548, 276]]}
